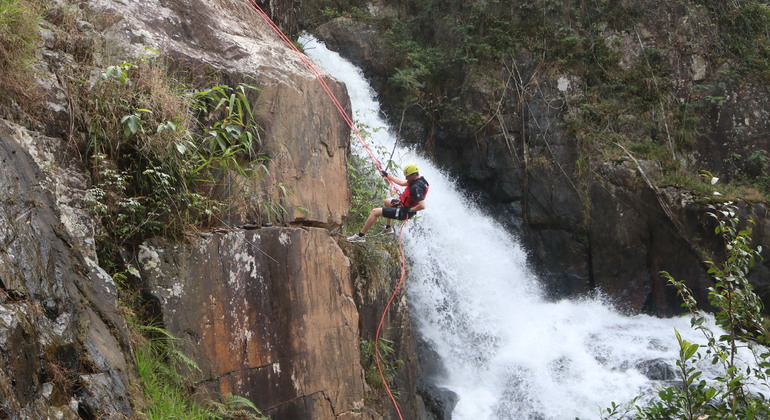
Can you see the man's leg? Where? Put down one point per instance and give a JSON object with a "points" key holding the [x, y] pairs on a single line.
{"points": [[372, 218], [390, 202], [373, 215]]}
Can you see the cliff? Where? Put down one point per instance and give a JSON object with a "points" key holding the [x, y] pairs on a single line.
{"points": [[264, 299]]}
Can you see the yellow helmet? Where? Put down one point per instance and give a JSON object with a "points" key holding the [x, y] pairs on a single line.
{"points": [[411, 168]]}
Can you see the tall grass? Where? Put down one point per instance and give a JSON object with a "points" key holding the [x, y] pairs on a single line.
{"points": [[19, 42], [166, 376]]}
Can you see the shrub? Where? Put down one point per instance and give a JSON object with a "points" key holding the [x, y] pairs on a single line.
{"points": [[367, 187], [389, 362], [158, 151], [19, 42], [739, 313]]}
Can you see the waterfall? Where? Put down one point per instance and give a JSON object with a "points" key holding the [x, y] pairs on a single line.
{"points": [[508, 353]]}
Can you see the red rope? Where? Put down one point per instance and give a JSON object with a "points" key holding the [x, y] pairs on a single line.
{"points": [[374, 160], [382, 319], [321, 80]]}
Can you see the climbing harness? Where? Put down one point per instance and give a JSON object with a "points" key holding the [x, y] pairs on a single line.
{"points": [[374, 160]]}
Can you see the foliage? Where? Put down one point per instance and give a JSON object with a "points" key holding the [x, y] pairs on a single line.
{"points": [[750, 170], [235, 136], [438, 59], [165, 374], [367, 186], [356, 12], [375, 262], [388, 362], [439, 46], [322, 11], [739, 314], [743, 28], [419, 68], [234, 407], [369, 189], [19, 41], [157, 150]]}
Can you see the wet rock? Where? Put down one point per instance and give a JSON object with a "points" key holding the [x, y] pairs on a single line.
{"points": [[657, 370]]}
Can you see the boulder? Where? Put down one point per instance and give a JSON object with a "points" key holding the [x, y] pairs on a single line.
{"points": [[657, 370]]}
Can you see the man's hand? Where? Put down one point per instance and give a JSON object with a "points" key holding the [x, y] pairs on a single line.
{"points": [[384, 174]]}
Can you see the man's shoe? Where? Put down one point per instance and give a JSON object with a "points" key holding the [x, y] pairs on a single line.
{"points": [[357, 239], [387, 230]]}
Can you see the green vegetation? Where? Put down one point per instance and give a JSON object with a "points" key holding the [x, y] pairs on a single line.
{"points": [[743, 33], [19, 43], [165, 374], [355, 12], [750, 172], [388, 362], [368, 190], [163, 157], [157, 150], [373, 262], [737, 392], [367, 187], [233, 138]]}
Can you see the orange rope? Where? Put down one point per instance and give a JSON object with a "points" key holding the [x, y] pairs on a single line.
{"points": [[321, 80], [382, 319], [374, 160]]}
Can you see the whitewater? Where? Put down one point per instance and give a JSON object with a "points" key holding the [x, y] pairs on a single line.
{"points": [[507, 352]]}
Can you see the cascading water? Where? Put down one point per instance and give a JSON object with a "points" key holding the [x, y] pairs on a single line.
{"points": [[507, 352]]}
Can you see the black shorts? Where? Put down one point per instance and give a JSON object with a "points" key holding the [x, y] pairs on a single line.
{"points": [[397, 213]]}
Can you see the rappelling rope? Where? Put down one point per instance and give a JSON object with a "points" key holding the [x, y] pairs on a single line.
{"points": [[382, 319], [374, 160], [325, 86]]}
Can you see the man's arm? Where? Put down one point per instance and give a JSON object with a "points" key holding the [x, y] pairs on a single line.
{"points": [[419, 206], [396, 180]]}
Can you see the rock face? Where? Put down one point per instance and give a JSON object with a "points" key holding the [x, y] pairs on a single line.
{"points": [[630, 245], [307, 141], [269, 314], [272, 313], [61, 334]]}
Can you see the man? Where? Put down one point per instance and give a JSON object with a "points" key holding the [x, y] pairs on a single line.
{"points": [[405, 207]]}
